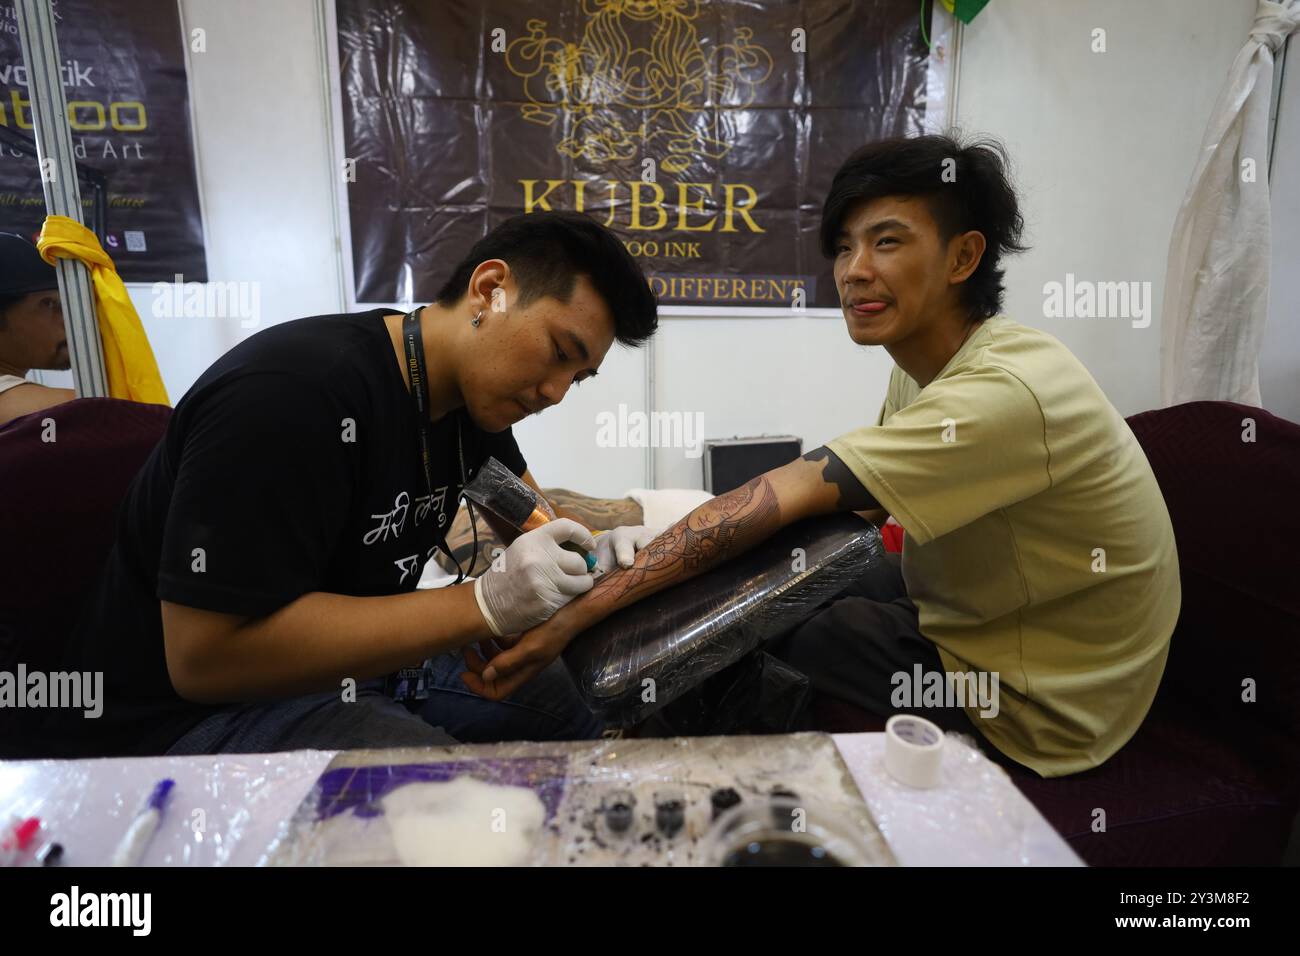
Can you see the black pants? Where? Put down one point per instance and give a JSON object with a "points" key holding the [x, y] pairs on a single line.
{"points": [[852, 647]]}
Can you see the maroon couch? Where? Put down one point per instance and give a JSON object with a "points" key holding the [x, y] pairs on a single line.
{"points": [[58, 512], [1209, 779]]}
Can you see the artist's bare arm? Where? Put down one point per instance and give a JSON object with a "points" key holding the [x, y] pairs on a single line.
{"points": [[312, 644], [718, 530]]}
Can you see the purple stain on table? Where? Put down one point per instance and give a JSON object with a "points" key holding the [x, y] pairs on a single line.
{"points": [[361, 789]]}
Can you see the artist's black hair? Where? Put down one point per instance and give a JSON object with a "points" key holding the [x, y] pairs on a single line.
{"points": [[547, 251], [977, 194]]}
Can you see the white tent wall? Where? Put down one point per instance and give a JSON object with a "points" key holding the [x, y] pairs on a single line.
{"points": [[257, 94], [1104, 144]]}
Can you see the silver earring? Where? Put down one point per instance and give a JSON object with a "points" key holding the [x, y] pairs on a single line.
{"points": [[477, 319]]}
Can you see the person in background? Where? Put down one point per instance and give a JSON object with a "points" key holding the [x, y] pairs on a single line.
{"points": [[31, 329]]}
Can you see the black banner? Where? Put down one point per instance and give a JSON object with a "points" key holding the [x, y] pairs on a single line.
{"points": [[703, 132], [123, 67]]}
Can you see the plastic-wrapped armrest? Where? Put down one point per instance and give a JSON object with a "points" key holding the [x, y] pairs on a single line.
{"points": [[678, 637]]}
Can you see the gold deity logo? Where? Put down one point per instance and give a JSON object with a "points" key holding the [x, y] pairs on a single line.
{"points": [[639, 79]]}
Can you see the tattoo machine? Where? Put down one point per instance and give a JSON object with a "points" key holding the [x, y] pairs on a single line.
{"points": [[496, 489]]}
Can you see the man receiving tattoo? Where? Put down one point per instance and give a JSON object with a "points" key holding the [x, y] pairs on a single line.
{"points": [[1038, 554]]}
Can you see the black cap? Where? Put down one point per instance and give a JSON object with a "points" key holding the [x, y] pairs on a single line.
{"points": [[22, 270]]}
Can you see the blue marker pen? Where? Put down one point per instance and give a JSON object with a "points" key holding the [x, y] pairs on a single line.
{"points": [[131, 850]]}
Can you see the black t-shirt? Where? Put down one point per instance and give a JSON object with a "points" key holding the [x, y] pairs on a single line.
{"points": [[293, 465]]}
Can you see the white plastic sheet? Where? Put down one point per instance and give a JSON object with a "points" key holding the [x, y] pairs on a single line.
{"points": [[975, 817]]}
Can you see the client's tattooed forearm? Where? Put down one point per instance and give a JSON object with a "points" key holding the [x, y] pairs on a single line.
{"points": [[853, 497], [715, 531]]}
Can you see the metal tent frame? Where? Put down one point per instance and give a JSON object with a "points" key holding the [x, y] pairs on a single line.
{"points": [[62, 190]]}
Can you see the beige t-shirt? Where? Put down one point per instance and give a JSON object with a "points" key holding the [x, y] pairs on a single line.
{"points": [[1037, 543]]}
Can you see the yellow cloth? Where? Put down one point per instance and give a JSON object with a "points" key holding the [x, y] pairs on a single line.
{"points": [[128, 360], [1037, 543]]}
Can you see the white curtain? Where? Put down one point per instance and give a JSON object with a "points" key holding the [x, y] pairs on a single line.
{"points": [[1216, 283]]}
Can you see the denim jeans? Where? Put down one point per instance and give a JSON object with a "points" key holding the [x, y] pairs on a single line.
{"points": [[314, 722], [547, 708]]}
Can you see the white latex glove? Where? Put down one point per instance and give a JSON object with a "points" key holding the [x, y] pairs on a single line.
{"points": [[537, 577], [618, 548]]}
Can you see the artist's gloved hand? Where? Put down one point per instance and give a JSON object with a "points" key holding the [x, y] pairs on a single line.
{"points": [[536, 578], [618, 548]]}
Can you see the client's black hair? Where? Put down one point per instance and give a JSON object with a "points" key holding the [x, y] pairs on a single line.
{"points": [[976, 194], [547, 251]]}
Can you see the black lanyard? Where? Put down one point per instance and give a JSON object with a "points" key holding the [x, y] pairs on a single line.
{"points": [[414, 342]]}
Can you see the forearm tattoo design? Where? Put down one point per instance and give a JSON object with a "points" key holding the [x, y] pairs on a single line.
{"points": [[717, 530]]}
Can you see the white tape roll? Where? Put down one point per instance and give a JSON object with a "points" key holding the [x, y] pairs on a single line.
{"points": [[913, 750]]}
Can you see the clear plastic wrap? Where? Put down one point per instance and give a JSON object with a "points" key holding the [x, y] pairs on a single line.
{"points": [[649, 654], [223, 810], [621, 803], [759, 694]]}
